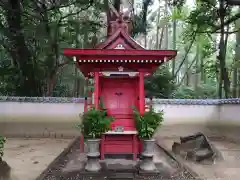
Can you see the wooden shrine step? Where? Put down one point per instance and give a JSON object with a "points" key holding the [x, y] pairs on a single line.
{"points": [[120, 144], [127, 116]]}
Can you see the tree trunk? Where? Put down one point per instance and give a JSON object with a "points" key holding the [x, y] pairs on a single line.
{"points": [[76, 80], [196, 79], [158, 28], [202, 71], [75, 84], [166, 26], [238, 83], [29, 84], [53, 54], [188, 48], [236, 70], [222, 54], [145, 40], [186, 79], [174, 45], [161, 38]]}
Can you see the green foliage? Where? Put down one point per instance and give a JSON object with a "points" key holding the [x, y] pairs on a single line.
{"points": [[33, 57], [203, 18], [59, 25], [203, 91], [160, 85], [207, 45], [61, 90], [95, 123], [179, 13], [140, 24], [147, 123], [2, 142]]}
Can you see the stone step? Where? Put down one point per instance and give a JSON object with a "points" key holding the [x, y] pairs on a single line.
{"points": [[121, 176]]}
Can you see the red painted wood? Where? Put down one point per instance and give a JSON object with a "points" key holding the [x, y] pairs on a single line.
{"points": [[89, 67], [119, 98], [119, 146], [119, 137], [96, 89], [119, 54], [128, 124], [81, 143], [120, 40], [114, 38], [85, 104], [130, 144], [140, 145], [141, 93], [135, 147]]}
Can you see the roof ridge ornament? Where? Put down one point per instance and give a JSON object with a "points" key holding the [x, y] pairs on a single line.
{"points": [[121, 22]]}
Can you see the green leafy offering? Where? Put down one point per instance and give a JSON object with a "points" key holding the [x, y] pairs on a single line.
{"points": [[95, 123], [147, 123], [2, 142]]}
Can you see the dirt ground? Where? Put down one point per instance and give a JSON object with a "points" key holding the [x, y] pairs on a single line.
{"points": [[29, 157], [228, 169]]}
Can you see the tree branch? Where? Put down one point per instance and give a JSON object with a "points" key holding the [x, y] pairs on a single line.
{"points": [[194, 60], [225, 32], [63, 63], [229, 21], [189, 48], [75, 13], [55, 6]]}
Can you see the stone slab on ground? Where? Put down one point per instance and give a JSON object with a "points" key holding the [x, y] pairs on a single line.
{"points": [[227, 169], [29, 157]]}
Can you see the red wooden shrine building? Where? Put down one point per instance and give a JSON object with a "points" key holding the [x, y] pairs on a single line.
{"points": [[118, 67]]}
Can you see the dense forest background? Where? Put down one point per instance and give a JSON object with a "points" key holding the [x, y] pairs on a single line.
{"points": [[205, 33]]}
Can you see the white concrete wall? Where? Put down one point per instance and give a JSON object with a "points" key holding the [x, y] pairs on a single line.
{"points": [[188, 114], [39, 119], [58, 119]]}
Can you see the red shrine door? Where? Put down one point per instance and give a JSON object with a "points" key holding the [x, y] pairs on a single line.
{"points": [[119, 97]]}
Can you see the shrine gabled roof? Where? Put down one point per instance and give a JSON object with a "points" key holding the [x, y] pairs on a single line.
{"points": [[106, 59], [119, 37]]}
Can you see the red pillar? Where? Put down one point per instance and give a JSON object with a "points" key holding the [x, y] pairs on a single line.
{"points": [[96, 89], [141, 93]]}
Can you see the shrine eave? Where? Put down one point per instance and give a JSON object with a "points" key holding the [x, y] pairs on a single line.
{"points": [[97, 55]]}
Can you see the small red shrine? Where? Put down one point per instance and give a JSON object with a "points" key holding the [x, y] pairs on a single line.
{"points": [[118, 67]]}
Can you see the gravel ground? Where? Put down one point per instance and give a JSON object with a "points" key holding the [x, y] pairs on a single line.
{"points": [[173, 171]]}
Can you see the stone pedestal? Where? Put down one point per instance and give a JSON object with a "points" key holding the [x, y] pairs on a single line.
{"points": [[147, 163], [93, 155]]}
